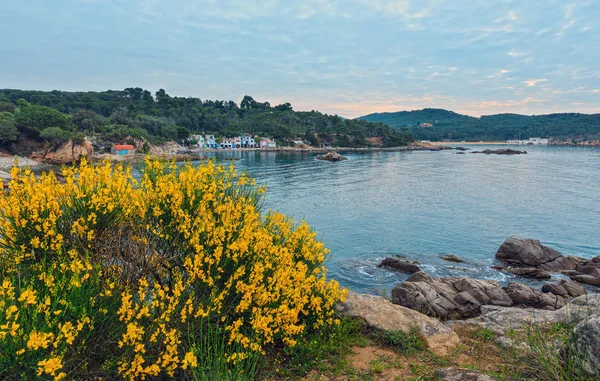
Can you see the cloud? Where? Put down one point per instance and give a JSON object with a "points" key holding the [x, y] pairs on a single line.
{"points": [[534, 82], [345, 56]]}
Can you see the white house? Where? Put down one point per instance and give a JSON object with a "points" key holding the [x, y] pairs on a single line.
{"points": [[210, 141], [267, 143], [530, 141], [228, 143], [248, 141], [298, 141], [197, 140]]}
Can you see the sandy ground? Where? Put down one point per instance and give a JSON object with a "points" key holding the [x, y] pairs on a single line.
{"points": [[6, 163]]}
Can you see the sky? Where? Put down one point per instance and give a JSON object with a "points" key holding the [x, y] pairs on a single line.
{"points": [[345, 57]]}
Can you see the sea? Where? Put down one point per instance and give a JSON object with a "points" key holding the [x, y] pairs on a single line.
{"points": [[422, 204]]}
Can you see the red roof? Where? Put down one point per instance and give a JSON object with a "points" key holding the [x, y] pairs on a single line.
{"points": [[124, 146]]}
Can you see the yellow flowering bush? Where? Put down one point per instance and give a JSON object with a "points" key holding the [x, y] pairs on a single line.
{"points": [[174, 273]]}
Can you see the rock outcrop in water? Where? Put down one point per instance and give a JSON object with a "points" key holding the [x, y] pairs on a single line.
{"points": [[449, 297], [452, 258], [460, 298], [400, 265], [331, 156], [530, 253], [522, 252], [529, 272], [503, 151]]}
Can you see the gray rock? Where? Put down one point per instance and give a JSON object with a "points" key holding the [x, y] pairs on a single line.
{"points": [[573, 288], [499, 319], [452, 258], [462, 374], [587, 279], [521, 252], [555, 289], [523, 295], [331, 156], [503, 151], [379, 313], [400, 265], [587, 344], [530, 272], [591, 300], [449, 297], [589, 268]]}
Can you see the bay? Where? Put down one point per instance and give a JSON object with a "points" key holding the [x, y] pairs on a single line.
{"points": [[422, 204]]}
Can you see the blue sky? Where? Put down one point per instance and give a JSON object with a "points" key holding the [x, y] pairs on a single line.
{"points": [[346, 57]]}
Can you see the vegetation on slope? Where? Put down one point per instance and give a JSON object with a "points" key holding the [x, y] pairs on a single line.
{"points": [[450, 125], [137, 113], [176, 275]]}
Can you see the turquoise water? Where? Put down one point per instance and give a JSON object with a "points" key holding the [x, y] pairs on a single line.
{"points": [[423, 204]]}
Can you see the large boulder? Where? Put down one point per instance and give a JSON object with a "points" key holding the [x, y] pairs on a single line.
{"points": [[461, 298], [587, 272], [379, 313], [587, 344], [500, 319], [525, 296], [66, 153], [400, 265], [520, 252], [450, 297], [574, 289], [529, 272]]}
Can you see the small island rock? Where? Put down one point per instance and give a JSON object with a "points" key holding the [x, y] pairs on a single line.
{"points": [[400, 265], [504, 151], [331, 156], [452, 258]]}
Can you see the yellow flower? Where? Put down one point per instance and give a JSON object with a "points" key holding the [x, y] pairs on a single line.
{"points": [[49, 366], [189, 360], [28, 296]]}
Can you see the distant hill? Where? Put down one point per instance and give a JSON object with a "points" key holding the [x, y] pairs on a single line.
{"points": [[57, 116], [450, 125]]}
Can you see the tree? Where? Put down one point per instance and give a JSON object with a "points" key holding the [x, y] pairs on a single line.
{"points": [[87, 120], [7, 107], [39, 117], [248, 102], [55, 134], [284, 107], [8, 131]]}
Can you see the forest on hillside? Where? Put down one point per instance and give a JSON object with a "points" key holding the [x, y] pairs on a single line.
{"points": [[57, 116], [450, 125]]}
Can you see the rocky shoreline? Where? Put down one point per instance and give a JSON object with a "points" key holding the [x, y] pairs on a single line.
{"points": [[437, 305]]}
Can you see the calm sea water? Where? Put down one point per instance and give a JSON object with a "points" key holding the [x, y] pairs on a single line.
{"points": [[423, 204]]}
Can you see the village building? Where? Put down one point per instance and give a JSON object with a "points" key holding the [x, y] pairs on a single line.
{"points": [[267, 143], [199, 140], [122, 150], [298, 141], [247, 141], [210, 141], [530, 141]]}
